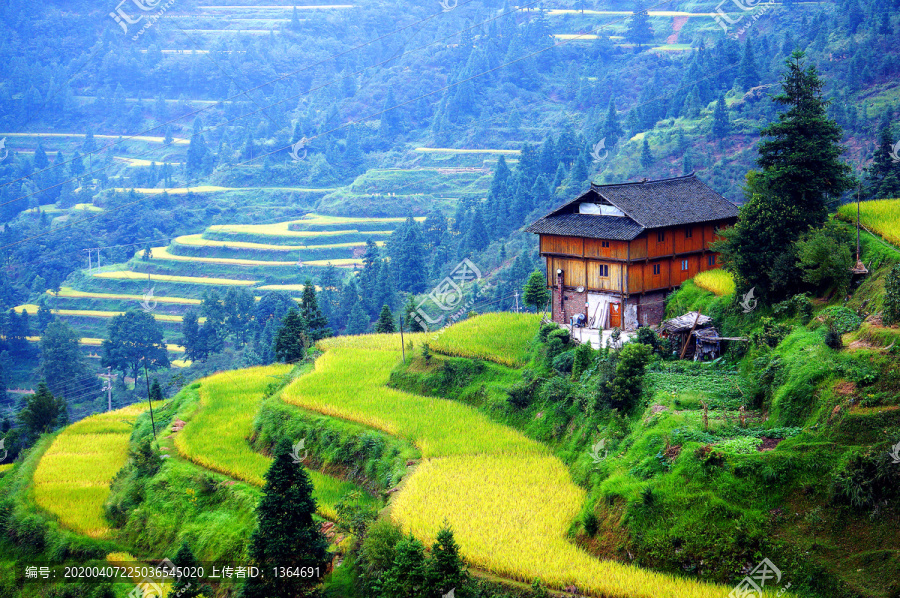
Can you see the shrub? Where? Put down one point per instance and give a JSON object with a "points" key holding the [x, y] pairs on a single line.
{"points": [[545, 330], [554, 348], [797, 306], [560, 333], [519, 395], [824, 258], [833, 339], [891, 313], [627, 385], [841, 319], [555, 390], [563, 362], [591, 525], [648, 337], [584, 355], [771, 334]]}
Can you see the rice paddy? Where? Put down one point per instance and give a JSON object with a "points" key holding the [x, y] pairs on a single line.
{"points": [[72, 478], [500, 337], [199, 241], [509, 501], [129, 275], [95, 313], [716, 281], [228, 403], [162, 253], [71, 293], [881, 216]]}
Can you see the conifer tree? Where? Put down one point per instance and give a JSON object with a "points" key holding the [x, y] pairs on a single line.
{"points": [[411, 321], [286, 534], [639, 29], [185, 586], [747, 74], [646, 156], [721, 125], [316, 322], [385, 321], [357, 321], [292, 338], [445, 570], [406, 577], [612, 129]]}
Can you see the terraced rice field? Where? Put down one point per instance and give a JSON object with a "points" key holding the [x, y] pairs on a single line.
{"points": [[500, 337], [162, 253], [129, 275], [199, 241], [716, 281], [176, 140], [71, 293], [72, 478], [879, 216], [214, 189], [229, 401], [450, 150], [94, 313], [97, 342], [508, 500]]}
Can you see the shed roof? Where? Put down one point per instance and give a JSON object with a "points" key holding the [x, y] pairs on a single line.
{"points": [[684, 323]]}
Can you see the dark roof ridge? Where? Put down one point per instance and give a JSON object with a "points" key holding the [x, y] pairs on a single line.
{"points": [[595, 186]]}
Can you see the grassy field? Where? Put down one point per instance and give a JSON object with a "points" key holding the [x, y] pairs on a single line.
{"points": [[716, 281], [509, 501], [500, 337], [880, 216], [72, 479], [129, 275], [229, 401]]}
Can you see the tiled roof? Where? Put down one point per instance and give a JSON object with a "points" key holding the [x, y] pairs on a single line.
{"points": [[616, 228], [649, 204], [668, 202]]}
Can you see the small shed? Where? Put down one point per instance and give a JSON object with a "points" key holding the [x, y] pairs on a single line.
{"points": [[680, 330]]}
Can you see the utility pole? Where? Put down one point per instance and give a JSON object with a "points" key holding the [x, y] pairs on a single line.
{"points": [[108, 388], [149, 400], [90, 268], [402, 347], [517, 300]]}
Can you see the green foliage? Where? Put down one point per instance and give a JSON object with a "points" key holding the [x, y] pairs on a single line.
{"points": [[42, 413], [406, 577], [841, 319], [446, 569], [891, 314], [584, 356], [63, 365], [564, 362], [627, 385], [772, 333], [291, 340], [866, 480], [286, 535], [519, 395], [354, 515], [824, 257], [134, 340], [799, 306], [184, 586], [536, 294], [385, 323]]}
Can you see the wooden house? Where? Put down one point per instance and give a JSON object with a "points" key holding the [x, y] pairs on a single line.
{"points": [[615, 252]]}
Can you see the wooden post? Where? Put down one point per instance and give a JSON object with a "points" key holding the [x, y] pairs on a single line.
{"points": [[688, 339], [402, 348]]}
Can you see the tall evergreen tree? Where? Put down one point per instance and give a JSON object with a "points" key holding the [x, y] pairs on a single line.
{"points": [[446, 569], [612, 128], [646, 155], [800, 152], [63, 366], [721, 126], [748, 76], [639, 30], [42, 413], [411, 322], [385, 321], [357, 320], [286, 534], [316, 321], [292, 338]]}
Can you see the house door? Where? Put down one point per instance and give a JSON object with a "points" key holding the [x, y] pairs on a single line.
{"points": [[615, 315]]}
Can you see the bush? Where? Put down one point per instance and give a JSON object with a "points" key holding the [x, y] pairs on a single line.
{"points": [[563, 362], [591, 525], [891, 314], [648, 337], [584, 355], [833, 339], [555, 390], [560, 333], [554, 348], [824, 258], [626, 387], [841, 319], [772, 333], [519, 395], [797, 306], [545, 330]]}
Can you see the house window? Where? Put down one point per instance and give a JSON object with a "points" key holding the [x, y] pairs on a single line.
{"points": [[604, 271], [684, 265], [661, 236], [711, 259], [655, 269], [688, 232], [604, 243]]}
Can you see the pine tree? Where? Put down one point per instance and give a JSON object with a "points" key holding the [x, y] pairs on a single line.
{"points": [[185, 586], [286, 533], [800, 153], [406, 577], [721, 125], [748, 76], [292, 338], [385, 323], [156, 391], [445, 569], [357, 321], [316, 321], [646, 156], [639, 29], [612, 129], [411, 321]]}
